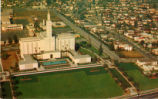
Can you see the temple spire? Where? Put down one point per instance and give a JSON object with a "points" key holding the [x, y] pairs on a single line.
{"points": [[48, 25], [48, 15]]}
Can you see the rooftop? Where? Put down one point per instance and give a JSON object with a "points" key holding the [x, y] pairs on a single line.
{"points": [[65, 35], [27, 60]]}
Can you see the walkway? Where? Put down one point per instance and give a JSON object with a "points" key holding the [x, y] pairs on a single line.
{"points": [[56, 70]]}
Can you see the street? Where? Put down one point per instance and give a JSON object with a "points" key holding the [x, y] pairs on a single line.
{"points": [[136, 46], [146, 96], [95, 42]]}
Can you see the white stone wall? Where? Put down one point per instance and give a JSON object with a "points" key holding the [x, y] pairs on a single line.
{"points": [[56, 54], [65, 44], [28, 66], [31, 47], [48, 44], [79, 60]]}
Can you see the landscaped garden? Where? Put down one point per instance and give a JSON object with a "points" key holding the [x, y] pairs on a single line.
{"points": [[143, 82], [82, 83]]}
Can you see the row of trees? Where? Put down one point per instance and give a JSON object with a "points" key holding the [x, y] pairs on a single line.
{"points": [[14, 38], [15, 82], [87, 45], [121, 81], [130, 79]]}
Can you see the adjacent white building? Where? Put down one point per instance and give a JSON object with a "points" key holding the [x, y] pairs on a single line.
{"points": [[147, 65], [65, 42], [124, 46], [78, 59], [28, 63]]}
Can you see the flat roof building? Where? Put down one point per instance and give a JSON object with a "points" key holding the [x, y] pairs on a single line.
{"points": [[28, 63]]}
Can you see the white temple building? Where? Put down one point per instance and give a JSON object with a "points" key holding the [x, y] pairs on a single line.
{"points": [[43, 42], [46, 46]]}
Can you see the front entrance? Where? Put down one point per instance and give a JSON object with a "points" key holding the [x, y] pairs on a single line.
{"points": [[51, 55]]}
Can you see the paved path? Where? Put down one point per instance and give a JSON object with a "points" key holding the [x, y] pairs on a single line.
{"points": [[125, 77], [56, 70]]}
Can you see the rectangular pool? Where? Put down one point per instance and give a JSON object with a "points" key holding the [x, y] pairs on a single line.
{"points": [[53, 63]]}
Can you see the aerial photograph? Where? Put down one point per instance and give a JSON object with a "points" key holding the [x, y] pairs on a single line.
{"points": [[79, 49]]}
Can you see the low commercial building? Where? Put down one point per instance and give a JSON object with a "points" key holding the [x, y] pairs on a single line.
{"points": [[147, 65], [7, 14], [155, 51], [6, 27], [78, 59], [28, 63], [146, 61], [124, 46]]}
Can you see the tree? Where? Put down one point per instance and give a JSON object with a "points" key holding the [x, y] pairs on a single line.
{"points": [[90, 6], [83, 44], [11, 20], [36, 24], [82, 16], [77, 46], [16, 38], [17, 93], [5, 55], [16, 67], [94, 59], [142, 42], [94, 2], [100, 50], [15, 87], [136, 24], [10, 40]]}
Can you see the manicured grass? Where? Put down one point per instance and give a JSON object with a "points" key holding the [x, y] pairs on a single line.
{"points": [[21, 21], [117, 75], [94, 50], [70, 84], [133, 71], [6, 90], [58, 30], [84, 51], [88, 46]]}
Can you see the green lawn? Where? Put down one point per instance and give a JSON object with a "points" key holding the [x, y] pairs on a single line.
{"points": [[70, 84], [58, 30], [84, 51], [6, 90], [133, 71], [117, 75], [21, 21]]}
